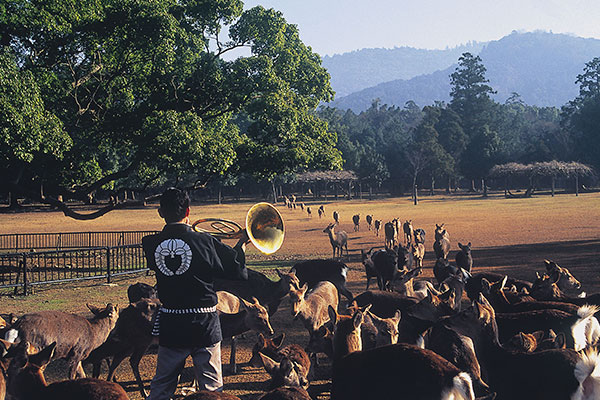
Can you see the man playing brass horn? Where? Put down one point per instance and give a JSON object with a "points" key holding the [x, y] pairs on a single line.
{"points": [[186, 262]]}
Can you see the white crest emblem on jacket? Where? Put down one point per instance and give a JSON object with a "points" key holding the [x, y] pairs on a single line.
{"points": [[172, 248]]}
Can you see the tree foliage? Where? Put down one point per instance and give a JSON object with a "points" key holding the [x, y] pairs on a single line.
{"points": [[138, 94]]}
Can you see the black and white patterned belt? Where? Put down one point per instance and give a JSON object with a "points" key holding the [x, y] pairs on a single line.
{"points": [[197, 310]]}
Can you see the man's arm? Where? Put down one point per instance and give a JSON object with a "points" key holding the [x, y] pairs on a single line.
{"points": [[232, 259]]}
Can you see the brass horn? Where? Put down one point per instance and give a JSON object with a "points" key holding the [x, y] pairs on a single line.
{"points": [[264, 225]]}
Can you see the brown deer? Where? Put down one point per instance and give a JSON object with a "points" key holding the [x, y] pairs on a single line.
{"points": [[311, 308], [286, 393], [564, 279], [238, 316], [377, 226], [441, 246], [75, 336], [336, 217], [369, 219], [356, 222], [367, 261], [566, 374], [321, 211], [131, 337], [269, 293], [338, 240], [390, 233], [418, 253], [346, 332], [373, 374], [287, 371], [26, 380], [408, 231]]}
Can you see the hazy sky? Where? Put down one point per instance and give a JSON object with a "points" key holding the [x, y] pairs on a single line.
{"points": [[338, 26]]}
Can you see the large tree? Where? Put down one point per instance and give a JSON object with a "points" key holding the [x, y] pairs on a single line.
{"points": [[142, 96]]}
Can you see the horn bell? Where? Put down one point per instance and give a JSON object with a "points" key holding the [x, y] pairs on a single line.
{"points": [[264, 225]]}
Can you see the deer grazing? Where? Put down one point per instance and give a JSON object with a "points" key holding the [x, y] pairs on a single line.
{"points": [[75, 336], [238, 316], [26, 379], [338, 240], [356, 222]]}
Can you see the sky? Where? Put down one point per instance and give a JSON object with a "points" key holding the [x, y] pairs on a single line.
{"points": [[339, 26]]}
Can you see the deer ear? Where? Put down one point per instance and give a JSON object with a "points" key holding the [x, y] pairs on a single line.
{"points": [[485, 285], [95, 310], [538, 335], [332, 314], [560, 341], [43, 357], [548, 264], [244, 304], [255, 301], [503, 283], [469, 245], [286, 366], [460, 245], [551, 334], [278, 341], [270, 365], [4, 346], [396, 318], [357, 319]]}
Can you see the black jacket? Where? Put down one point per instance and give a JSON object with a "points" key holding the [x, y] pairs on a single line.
{"points": [[186, 262]]}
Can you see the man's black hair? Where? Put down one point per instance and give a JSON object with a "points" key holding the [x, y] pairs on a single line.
{"points": [[174, 204]]}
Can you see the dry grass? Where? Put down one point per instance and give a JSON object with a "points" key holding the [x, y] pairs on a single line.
{"points": [[511, 236]]}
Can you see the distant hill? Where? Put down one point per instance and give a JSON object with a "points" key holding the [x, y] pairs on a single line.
{"points": [[541, 67], [361, 69]]}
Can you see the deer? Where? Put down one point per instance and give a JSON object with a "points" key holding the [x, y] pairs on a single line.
{"points": [[566, 374], [268, 292], [536, 341], [356, 222], [367, 261], [237, 316], [473, 284], [408, 231], [346, 332], [26, 379], [419, 236], [309, 211], [286, 393], [315, 271], [418, 253], [208, 395], [311, 307], [74, 335], [390, 235], [131, 337], [139, 291], [441, 246], [321, 211], [373, 374], [563, 277], [338, 240], [385, 263], [463, 258], [377, 226], [289, 369], [336, 217], [369, 219], [546, 288]]}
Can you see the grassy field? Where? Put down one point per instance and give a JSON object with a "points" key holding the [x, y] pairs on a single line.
{"points": [[508, 235]]}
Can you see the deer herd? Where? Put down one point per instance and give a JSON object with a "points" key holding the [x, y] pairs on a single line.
{"points": [[463, 335]]}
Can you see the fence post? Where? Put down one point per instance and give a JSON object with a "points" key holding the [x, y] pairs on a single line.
{"points": [[108, 265], [25, 282]]}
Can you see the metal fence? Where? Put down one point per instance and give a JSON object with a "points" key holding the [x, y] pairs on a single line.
{"points": [[16, 242], [20, 271]]}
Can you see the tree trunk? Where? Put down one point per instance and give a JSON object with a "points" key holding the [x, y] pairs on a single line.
{"points": [[370, 192], [473, 186], [449, 187], [274, 190], [484, 187], [220, 194], [553, 185], [576, 185], [432, 185], [415, 194]]}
